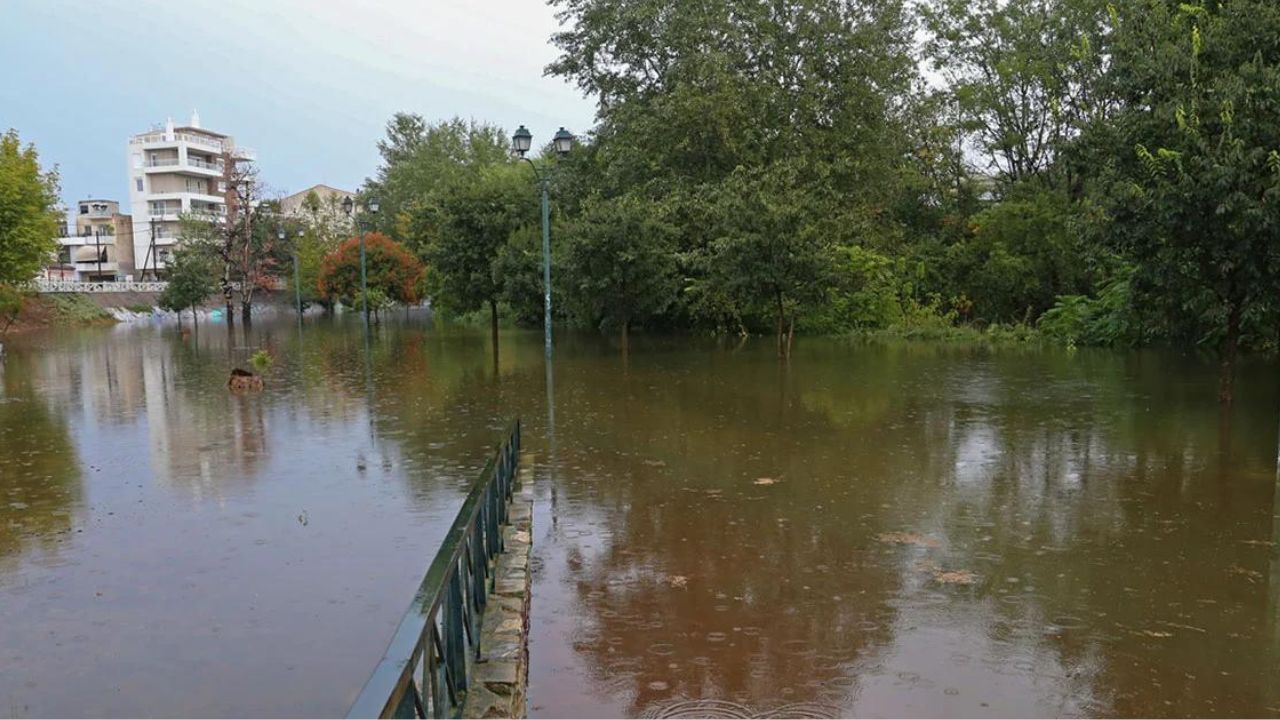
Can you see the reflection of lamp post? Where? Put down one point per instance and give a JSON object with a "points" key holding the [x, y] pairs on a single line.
{"points": [[521, 141]]}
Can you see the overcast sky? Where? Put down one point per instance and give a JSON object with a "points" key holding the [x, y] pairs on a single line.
{"points": [[308, 84]]}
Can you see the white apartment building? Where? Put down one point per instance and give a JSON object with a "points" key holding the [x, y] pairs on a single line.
{"points": [[175, 171]]}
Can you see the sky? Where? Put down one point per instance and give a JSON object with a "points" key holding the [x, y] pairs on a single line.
{"points": [[308, 84]]}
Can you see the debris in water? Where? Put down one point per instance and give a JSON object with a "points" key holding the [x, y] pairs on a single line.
{"points": [[765, 481], [901, 538], [678, 581], [1252, 576], [955, 577]]}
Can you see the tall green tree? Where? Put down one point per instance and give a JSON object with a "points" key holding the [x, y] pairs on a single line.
{"points": [[462, 232], [620, 263], [420, 158], [1026, 76], [776, 250], [702, 99], [1192, 188], [29, 215]]}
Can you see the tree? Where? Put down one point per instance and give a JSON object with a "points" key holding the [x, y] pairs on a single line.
{"points": [[776, 251], [29, 216], [390, 269], [701, 100], [463, 231], [243, 241], [419, 157], [1025, 75], [1192, 188], [192, 274], [620, 264]]}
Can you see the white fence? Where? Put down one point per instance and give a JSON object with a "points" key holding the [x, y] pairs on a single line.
{"points": [[43, 285], [46, 285]]}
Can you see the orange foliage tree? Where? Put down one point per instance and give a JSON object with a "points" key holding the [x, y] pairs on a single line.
{"points": [[390, 267]]}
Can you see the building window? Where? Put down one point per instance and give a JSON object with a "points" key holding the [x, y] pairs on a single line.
{"points": [[84, 209], [137, 183]]}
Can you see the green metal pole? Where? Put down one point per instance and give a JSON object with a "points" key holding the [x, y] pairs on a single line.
{"points": [[546, 262], [297, 284], [364, 284]]}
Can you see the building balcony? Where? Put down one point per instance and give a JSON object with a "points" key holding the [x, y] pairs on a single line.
{"points": [[193, 166], [160, 139], [86, 240], [87, 266]]}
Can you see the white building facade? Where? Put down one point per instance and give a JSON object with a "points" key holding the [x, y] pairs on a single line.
{"points": [[172, 172]]}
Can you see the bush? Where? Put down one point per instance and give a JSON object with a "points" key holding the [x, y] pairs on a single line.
{"points": [[76, 309], [1108, 319]]}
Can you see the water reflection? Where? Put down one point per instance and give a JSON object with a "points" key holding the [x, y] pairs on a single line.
{"points": [[871, 530], [168, 544], [40, 484], [907, 531]]}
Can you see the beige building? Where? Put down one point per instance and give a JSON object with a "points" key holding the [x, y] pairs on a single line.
{"points": [[327, 199], [98, 245], [175, 171]]}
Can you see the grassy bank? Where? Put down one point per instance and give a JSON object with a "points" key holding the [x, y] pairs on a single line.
{"points": [[69, 310]]}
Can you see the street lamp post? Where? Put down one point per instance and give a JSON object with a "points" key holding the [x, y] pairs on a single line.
{"points": [[349, 206], [562, 141], [297, 275], [281, 235]]}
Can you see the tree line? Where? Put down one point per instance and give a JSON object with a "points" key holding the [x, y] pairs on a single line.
{"points": [[1097, 173]]}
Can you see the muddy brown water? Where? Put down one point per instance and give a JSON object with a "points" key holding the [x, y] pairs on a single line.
{"points": [[872, 530]]}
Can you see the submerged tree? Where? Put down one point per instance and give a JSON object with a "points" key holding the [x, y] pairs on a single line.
{"points": [[390, 268], [462, 232], [1193, 194], [619, 263], [192, 280]]}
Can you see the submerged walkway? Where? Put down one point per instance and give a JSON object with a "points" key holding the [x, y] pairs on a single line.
{"points": [[500, 676]]}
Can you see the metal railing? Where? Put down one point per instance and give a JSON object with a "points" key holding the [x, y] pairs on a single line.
{"points": [[424, 670], [47, 285]]}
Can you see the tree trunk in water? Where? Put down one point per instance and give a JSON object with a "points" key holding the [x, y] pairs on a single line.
{"points": [[626, 336], [781, 348], [493, 328], [791, 333], [1230, 346], [246, 311]]}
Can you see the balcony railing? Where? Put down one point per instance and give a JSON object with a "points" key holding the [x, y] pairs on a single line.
{"points": [[159, 137]]}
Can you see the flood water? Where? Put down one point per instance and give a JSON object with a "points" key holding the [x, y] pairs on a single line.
{"points": [[870, 530]]}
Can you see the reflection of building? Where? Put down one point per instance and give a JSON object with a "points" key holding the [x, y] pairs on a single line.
{"points": [[98, 247], [175, 171]]}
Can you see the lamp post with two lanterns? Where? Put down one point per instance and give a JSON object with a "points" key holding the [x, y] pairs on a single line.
{"points": [[349, 206], [562, 141]]}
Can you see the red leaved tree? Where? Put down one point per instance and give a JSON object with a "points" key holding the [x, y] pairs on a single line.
{"points": [[391, 269]]}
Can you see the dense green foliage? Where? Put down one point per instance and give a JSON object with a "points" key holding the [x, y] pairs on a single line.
{"points": [[1103, 173], [28, 211]]}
